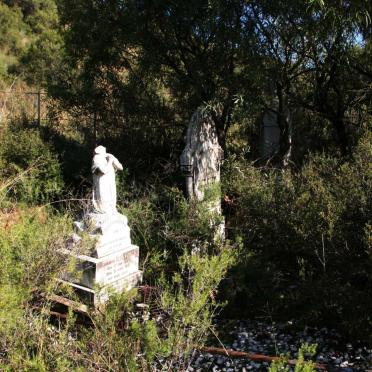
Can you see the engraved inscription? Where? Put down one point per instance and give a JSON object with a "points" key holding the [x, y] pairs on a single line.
{"points": [[128, 281], [117, 267]]}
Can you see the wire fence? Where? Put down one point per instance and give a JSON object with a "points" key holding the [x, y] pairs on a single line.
{"points": [[37, 108], [16, 104]]}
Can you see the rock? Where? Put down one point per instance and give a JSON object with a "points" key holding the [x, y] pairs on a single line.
{"points": [[261, 341], [220, 361], [337, 360]]}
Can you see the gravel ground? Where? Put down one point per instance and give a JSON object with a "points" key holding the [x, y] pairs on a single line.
{"points": [[275, 339]]}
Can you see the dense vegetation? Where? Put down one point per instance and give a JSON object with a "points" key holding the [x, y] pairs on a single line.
{"points": [[129, 74]]}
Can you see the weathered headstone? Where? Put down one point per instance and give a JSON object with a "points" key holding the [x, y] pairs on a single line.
{"points": [[201, 159], [112, 262], [202, 155], [270, 134]]}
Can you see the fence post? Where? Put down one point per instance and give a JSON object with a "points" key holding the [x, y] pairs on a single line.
{"points": [[95, 128], [39, 108]]}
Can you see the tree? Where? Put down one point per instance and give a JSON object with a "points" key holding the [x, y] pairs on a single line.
{"points": [[340, 87], [198, 51], [12, 33], [30, 40], [283, 28], [312, 70], [156, 62]]}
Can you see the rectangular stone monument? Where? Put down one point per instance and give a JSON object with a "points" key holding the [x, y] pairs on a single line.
{"points": [[112, 266], [115, 272]]}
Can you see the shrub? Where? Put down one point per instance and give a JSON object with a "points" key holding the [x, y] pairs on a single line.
{"points": [[118, 339], [31, 160], [163, 223], [29, 241], [306, 351], [306, 238]]}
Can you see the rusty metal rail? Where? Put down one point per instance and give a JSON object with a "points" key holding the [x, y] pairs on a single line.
{"points": [[255, 357], [149, 303]]}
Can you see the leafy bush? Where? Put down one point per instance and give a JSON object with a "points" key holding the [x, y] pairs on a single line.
{"points": [[308, 252], [163, 223], [26, 156], [29, 240], [303, 364], [118, 339]]}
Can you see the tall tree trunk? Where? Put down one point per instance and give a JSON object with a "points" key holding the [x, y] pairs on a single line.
{"points": [[221, 128], [285, 126], [338, 123], [222, 138]]}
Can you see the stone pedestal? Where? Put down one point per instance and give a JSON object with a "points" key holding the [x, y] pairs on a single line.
{"points": [[112, 264]]}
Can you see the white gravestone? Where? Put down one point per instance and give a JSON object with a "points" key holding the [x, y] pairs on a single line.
{"points": [[112, 264]]}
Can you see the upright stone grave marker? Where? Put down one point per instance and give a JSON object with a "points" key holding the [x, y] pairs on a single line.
{"points": [[201, 160], [112, 264]]}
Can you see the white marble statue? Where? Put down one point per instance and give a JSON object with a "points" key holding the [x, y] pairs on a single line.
{"points": [[104, 260], [104, 166], [102, 221]]}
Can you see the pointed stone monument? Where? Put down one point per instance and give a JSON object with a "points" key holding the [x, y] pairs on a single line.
{"points": [[111, 263], [202, 155], [201, 160]]}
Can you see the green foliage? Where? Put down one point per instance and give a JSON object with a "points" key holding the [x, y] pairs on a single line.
{"points": [[155, 63], [30, 40], [26, 249], [12, 32], [302, 364], [147, 335], [308, 351], [43, 56], [118, 340], [26, 157], [29, 240], [12, 29], [163, 223], [190, 298], [303, 231]]}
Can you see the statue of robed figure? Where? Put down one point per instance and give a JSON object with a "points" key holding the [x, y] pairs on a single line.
{"points": [[104, 166], [110, 263]]}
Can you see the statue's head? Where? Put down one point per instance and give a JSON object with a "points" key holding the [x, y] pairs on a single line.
{"points": [[100, 150]]}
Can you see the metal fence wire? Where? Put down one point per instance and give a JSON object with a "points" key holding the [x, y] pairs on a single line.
{"points": [[15, 104]]}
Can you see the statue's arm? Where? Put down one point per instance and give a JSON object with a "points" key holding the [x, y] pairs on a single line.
{"points": [[101, 164], [115, 162]]}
